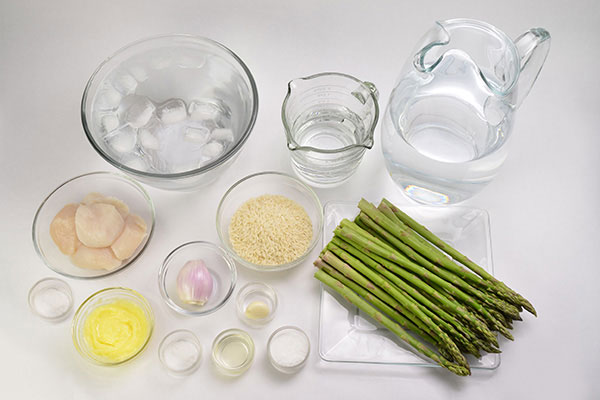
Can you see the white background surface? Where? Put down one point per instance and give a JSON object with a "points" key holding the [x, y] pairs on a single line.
{"points": [[545, 218]]}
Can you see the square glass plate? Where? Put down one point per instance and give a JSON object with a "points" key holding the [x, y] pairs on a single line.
{"points": [[347, 335]]}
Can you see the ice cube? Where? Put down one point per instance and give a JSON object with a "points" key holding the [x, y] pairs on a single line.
{"points": [[223, 134], [194, 134], [203, 111], [136, 162], [123, 140], [125, 83], [148, 140], [190, 61], [160, 62], [172, 111], [139, 73], [212, 150], [109, 122], [203, 161], [108, 99], [155, 163], [139, 112]]}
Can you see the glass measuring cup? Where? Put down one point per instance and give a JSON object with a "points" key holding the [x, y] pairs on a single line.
{"points": [[329, 119]]}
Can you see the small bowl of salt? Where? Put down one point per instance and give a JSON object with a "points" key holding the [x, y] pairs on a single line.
{"points": [[288, 349], [51, 299], [180, 352]]}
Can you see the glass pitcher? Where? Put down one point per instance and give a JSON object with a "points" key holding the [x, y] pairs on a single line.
{"points": [[447, 123]]}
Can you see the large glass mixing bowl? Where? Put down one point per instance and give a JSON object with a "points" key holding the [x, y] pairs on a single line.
{"points": [[170, 111]]}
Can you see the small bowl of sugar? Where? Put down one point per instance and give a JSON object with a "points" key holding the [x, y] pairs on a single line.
{"points": [[288, 349]]}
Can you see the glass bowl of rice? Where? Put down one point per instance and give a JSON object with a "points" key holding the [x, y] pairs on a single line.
{"points": [[269, 221]]}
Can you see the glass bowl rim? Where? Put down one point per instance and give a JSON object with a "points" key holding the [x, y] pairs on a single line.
{"points": [[162, 272], [279, 267], [112, 175], [197, 171], [77, 318]]}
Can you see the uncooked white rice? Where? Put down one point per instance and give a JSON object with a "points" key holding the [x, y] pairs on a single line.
{"points": [[270, 230]]}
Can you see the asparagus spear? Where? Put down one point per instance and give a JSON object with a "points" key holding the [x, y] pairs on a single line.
{"points": [[363, 242], [408, 236], [405, 235], [411, 306], [375, 301], [353, 298], [505, 308], [427, 234], [389, 306], [398, 229], [450, 306], [384, 295], [437, 315]]}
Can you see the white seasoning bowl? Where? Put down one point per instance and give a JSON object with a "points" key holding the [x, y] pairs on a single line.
{"points": [[272, 183], [288, 349], [51, 299], [180, 352]]}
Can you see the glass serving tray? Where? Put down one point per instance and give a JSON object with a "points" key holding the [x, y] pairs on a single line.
{"points": [[349, 336]]}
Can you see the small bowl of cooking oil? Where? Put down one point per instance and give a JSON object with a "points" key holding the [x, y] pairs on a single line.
{"points": [[233, 352]]}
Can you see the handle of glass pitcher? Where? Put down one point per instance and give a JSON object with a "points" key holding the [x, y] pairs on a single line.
{"points": [[533, 47]]}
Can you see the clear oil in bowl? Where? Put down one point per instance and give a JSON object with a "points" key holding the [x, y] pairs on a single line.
{"points": [[233, 352]]}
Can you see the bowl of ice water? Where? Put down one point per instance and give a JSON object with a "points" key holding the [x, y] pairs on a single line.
{"points": [[170, 111]]}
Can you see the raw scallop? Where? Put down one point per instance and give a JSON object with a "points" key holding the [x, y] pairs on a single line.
{"points": [[94, 197], [62, 229], [132, 236], [86, 257], [98, 224]]}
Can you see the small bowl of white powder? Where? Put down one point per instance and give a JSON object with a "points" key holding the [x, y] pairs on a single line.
{"points": [[288, 349], [51, 299], [180, 352]]}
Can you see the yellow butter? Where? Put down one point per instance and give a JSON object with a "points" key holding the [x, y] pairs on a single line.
{"points": [[116, 331]]}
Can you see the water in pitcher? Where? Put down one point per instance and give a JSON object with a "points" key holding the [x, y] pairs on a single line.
{"points": [[443, 143], [450, 115]]}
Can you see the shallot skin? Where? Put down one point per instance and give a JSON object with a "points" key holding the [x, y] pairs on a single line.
{"points": [[194, 283]]}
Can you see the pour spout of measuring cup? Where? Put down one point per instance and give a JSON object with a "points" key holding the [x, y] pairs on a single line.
{"points": [[364, 91], [292, 146]]}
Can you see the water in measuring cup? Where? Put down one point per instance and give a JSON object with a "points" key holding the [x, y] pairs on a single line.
{"points": [[442, 139], [328, 129]]}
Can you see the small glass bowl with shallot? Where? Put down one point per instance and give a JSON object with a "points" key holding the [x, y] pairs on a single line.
{"points": [[93, 225], [197, 278]]}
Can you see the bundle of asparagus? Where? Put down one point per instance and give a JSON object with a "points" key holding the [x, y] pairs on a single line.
{"points": [[395, 270]]}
